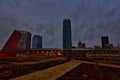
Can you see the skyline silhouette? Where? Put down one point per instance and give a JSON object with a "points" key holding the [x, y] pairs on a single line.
{"points": [[90, 20]]}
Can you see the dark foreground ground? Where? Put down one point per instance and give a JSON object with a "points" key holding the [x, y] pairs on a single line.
{"points": [[92, 72], [15, 69]]}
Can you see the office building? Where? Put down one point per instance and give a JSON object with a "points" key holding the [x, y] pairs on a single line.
{"points": [[67, 43], [105, 41], [37, 42]]}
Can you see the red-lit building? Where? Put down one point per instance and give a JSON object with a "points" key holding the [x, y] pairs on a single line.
{"points": [[19, 40]]}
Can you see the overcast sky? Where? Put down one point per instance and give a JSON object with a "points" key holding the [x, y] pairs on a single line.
{"points": [[90, 20]]}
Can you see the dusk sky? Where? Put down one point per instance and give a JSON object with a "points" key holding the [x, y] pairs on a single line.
{"points": [[90, 19]]}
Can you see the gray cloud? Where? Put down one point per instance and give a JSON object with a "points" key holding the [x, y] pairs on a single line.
{"points": [[91, 19]]}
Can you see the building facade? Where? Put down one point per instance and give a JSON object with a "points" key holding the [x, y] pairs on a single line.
{"points": [[67, 42], [37, 42], [24, 41], [105, 41], [19, 40], [17, 43]]}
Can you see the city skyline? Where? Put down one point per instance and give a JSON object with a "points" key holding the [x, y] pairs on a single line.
{"points": [[90, 20]]}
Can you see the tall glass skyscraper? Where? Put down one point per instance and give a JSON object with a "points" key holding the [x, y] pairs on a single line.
{"points": [[67, 43], [37, 42]]}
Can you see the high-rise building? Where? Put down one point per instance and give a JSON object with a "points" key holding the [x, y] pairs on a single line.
{"points": [[105, 41], [37, 42], [67, 42]]}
